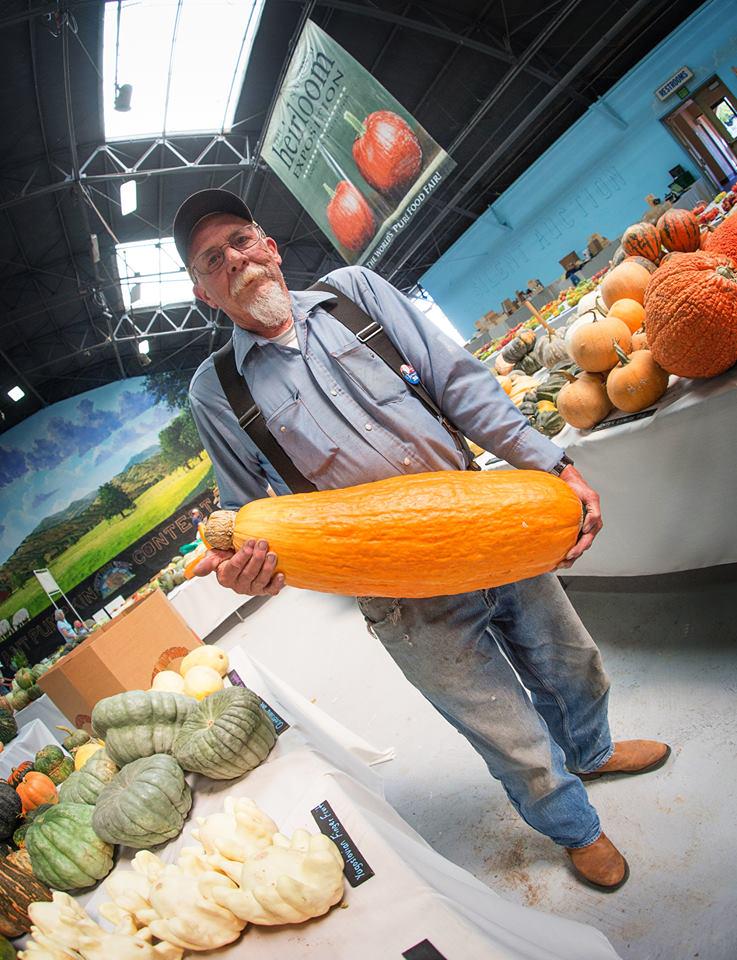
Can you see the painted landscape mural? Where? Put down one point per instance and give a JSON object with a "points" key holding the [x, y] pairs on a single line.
{"points": [[85, 486]]}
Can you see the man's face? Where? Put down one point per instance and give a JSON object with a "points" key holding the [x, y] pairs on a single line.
{"points": [[245, 279]]}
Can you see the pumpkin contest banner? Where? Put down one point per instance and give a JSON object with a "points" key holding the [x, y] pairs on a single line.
{"points": [[356, 160]]}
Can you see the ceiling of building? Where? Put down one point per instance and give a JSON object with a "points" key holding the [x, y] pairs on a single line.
{"points": [[494, 82]]}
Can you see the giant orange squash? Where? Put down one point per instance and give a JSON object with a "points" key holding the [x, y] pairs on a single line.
{"points": [[691, 306], [723, 239], [417, 535]]}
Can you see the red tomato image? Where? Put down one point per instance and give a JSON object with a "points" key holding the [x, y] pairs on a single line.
{"points": [[386, 151], [349, 216]]}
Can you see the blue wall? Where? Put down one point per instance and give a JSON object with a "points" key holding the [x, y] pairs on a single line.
{"points": [[594, 179]]}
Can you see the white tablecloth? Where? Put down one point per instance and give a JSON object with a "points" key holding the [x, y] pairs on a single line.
{"points": [[44, 709], [29, 741], [415, 895], [204, 604], [665, 481]]}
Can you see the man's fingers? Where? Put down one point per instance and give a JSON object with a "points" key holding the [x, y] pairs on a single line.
{"points": [[264, 576], [275, 585], [232, 571], [211, 561]]}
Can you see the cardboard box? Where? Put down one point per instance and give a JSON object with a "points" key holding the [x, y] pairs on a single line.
{"points": [[570, 261], [122, 655]]}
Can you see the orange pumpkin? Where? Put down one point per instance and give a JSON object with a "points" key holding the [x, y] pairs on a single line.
{"points": [[643, 262], [632, 312], [627, 280], [583, 402], [639, 340], [467, 530], [636, 382], [691, 306], [35, 789], [723, 239], [642, 240], [592, 345], [679, 230]]}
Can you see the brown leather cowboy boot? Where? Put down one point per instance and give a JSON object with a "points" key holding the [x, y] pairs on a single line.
{"points": [[600, 865], [631, 757]]}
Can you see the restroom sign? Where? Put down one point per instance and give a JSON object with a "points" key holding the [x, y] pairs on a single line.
{"points": [[671, 85]]}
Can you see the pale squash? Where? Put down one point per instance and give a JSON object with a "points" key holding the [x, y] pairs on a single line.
{"points": [[463, 530], [206, 656], [201, 681], [636, 382], [584, 402], [592, 346], [139, 723], [627, 280]]}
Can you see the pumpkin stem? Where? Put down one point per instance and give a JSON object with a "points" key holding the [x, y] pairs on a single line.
{"points": [[623, 358], [330, 191], [569, 376], [359, 127], [219, 528], [727, 272]]}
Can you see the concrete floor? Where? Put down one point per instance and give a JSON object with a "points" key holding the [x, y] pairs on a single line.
{"points": [[669, 646]]}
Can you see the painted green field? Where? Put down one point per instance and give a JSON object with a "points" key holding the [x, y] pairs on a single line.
{"points": [[110, 537]]}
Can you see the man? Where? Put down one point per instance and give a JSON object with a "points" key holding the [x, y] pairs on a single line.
{"points": [[343, 417]]}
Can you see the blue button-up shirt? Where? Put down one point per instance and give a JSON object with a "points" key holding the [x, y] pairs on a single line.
{"points": [[342, 415]]}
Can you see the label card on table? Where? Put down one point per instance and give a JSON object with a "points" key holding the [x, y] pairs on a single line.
{"points": [[356, 870], [280, 724], [618, 421], [423, 951]]}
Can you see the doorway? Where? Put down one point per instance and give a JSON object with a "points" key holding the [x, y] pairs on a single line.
{"points": [[705, 124]]}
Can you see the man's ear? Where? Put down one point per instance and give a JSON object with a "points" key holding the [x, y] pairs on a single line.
{"points": [[271, 244]]}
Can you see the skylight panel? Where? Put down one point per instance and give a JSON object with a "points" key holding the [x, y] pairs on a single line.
{"points": [[154, 268], [185, 59]]}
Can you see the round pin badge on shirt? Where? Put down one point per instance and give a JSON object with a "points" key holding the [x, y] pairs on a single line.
{"points": [[409, 374]]}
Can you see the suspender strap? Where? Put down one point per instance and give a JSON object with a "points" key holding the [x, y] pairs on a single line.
{"points": [[250, 419], [367, 331], [370, 332]]}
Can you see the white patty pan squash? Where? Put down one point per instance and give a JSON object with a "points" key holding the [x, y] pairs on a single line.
{"points": [[168, 680], [226, 735], [288, 882], [145, 804], [139, 723], [205, 656]]}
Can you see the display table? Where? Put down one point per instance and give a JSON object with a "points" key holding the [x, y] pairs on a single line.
{"points": [[204, 604], [407, 898], [44, 709], [664, 480], [29, 741]]}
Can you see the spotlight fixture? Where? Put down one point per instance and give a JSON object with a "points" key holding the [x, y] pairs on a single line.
{"points": [[15, 393], [123, 96], [128, 199], [143, 346]]}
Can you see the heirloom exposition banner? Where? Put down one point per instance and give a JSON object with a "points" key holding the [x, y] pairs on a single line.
{"points": [[359, 164]]}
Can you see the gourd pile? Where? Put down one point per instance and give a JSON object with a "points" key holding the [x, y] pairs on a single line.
{"points": [[242, 871], [24, 689]]}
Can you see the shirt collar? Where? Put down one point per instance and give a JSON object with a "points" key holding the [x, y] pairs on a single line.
{"points": [[303, 303]]}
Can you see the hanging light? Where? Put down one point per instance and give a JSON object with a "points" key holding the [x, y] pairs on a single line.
{"points": [[128, 197], [123, 96]]}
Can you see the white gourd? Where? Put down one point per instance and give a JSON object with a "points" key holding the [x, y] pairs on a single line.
{"points": [[168, 680], [288, 882], [200, 682], [239, 832], [206, 656]]}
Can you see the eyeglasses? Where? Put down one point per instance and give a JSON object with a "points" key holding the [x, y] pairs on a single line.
{"points": [[212, 259]]}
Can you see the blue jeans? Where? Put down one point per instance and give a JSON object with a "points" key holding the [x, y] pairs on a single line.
{"points": [[457, 651]]}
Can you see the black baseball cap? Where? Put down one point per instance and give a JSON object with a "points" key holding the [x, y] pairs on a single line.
{"points": [[199, 205]]}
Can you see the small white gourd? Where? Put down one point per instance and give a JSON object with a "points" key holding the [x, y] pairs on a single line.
{"points": [[205, 656]]}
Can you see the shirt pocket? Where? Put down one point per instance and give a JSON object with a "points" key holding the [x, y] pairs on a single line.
{"points": [[369, 373], [304, 441]]}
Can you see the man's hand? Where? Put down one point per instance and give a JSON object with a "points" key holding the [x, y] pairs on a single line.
{"points": [[249, 571], [592, 523]]}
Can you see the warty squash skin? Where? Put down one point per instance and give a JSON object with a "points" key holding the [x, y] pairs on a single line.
{"points": [[419, 535]]}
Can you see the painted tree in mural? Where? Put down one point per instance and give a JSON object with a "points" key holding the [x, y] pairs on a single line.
{"points": [[180, 442], [170, 387], [114, 501]]}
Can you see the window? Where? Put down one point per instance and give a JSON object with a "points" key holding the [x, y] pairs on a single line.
{"points": [[154, 267], [185, 62]]}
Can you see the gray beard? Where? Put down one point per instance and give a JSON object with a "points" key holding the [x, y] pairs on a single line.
{"points": [[271, 307]]}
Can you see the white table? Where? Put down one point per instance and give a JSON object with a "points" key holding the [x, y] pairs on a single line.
{"points": [[44, 709], [29, 741], [414, 894], [204, 604], [666, 482]]}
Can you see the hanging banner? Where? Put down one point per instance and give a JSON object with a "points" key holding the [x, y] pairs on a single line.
{"points": [[356, 160]]}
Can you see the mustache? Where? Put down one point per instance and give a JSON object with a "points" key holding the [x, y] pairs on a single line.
{"points": [[246, 276]]}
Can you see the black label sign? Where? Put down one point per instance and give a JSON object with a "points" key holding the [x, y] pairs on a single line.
{"points": [[423, 951], [280, 724], [356, 869], [606, 424]]}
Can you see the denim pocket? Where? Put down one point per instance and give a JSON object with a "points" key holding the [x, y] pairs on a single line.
{"points": [[369, 373], [302, 438]]}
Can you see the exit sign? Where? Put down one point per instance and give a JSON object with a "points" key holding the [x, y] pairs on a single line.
{"points": [[673, 83]]}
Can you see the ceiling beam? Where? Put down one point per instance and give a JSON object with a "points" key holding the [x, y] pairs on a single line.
{"points": [[542, 105]]}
